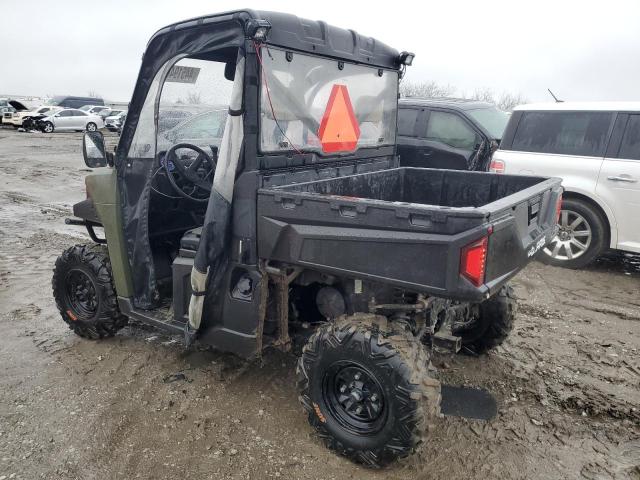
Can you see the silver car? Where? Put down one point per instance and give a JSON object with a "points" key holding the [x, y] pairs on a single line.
{"points": [[70, 119]]}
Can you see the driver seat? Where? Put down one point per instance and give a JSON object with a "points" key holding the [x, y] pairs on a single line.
{"points": [[189, 242]]}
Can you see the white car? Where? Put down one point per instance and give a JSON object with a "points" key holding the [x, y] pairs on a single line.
{"points": [[595, 148], [114, 122], [18, 117], [93, 109], [70, 119]]}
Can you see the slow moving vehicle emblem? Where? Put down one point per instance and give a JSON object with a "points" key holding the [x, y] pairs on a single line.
{"points": [[339, 130]]}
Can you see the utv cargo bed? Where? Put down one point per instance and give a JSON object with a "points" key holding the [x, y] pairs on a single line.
{"points": [[410, 226]]}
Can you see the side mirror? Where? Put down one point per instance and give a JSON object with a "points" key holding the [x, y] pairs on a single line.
{"points": [[93, 150]]}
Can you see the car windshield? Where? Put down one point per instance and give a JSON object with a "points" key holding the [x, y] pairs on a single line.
{"points": [[114, 113], [492, 119], [316, 104], [86, 108]]}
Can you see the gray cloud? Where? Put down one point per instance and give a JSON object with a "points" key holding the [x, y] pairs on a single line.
{"points": [[582, 50]]}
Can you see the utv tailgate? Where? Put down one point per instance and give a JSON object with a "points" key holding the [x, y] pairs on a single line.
{"points": [[409, 226]]}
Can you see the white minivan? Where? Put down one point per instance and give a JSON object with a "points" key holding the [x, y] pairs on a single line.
{"points": [[595, 148]]}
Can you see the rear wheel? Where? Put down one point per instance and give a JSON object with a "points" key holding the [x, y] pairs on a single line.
{"points": [[581, 236], [366, 389], [493, 324], [84, 293], [91, 127], [48, 127]]}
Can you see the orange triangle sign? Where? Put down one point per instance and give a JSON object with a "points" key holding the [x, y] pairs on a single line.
{"points": [[339, 130]]}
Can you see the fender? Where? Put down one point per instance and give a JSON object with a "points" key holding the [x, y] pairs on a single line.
{"points": [[102, 208]]}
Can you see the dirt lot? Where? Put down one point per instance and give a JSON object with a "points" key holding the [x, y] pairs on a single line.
{"points": [[567, 381]]}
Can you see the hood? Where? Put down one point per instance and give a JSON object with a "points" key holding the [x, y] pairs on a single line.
{"points": [[17, 105]]}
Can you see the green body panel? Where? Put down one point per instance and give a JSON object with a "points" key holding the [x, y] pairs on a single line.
{"points": [[102, 188]]}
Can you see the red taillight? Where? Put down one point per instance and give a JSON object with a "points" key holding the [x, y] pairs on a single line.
{"points": [[473, 259], [496, 166], [558, 208]]}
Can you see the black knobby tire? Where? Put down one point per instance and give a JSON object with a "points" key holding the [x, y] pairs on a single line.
{"points": [[84, 292], [396, 362], [597, 243], [493, 325]]}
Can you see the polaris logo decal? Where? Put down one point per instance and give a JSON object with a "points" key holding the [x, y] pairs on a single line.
{"points": [[534, 249]]}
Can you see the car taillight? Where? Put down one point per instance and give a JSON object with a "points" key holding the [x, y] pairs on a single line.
{"points": [[496, 166], [558, 208], [473, 259]]}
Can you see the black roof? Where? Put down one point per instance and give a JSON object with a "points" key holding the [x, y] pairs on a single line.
{"points": [[290, 31], [449, 102]]}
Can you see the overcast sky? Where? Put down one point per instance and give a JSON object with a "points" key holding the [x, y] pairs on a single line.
{"points": [[582, 50]]}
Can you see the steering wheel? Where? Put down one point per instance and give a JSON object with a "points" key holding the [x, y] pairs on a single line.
{"points": [[193, 180]]}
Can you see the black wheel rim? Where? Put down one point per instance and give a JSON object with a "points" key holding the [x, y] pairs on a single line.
{"points": [[81, 295], [354, 397]]}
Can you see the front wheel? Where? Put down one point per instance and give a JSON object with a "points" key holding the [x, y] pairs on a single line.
{"points": [[48, 127], [91, 127], [366, 389], [581, 236], [84, 292]]}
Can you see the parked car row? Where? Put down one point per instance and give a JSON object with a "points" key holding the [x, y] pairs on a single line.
{"points": [[50, 113], [593, 147], [61, 114]]}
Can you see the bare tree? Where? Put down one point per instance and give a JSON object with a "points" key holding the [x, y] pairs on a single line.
{"points": [[508, 101], [194, 98], [505, 101], [426, 89], [482, 95]]}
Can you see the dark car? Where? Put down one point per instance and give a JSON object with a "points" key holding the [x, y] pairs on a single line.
{"points": [[68, 101], [449, 133]]}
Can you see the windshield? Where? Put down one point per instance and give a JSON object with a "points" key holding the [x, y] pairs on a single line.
{"points": [[54, 101], [86, 108], [315, 104], [492, 119]]}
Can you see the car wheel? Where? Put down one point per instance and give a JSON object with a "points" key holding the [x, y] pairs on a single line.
{"points": [[48, 127], [581, 236], [91, 127]]}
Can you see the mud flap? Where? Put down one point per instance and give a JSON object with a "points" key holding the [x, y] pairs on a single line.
{"points": [[468, 402]]}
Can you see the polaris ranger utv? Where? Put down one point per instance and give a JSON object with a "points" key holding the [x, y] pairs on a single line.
{"points": [[287, 217]]}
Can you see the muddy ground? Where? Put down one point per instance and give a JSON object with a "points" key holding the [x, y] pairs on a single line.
{"points": [[567, 381]]}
